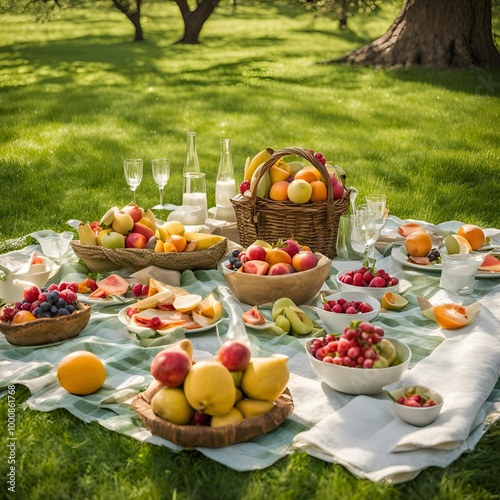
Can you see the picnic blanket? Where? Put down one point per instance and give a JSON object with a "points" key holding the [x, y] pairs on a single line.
{"points": [[362, 433]]}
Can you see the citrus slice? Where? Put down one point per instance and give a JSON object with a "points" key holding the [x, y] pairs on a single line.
{"points": [[455, 243], [186, 303], [393, 301], [452, 316]]}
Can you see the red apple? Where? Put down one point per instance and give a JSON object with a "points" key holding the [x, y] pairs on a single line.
{"points": [[31, 293], [280, 268], [171, 366], [291, 247], [234, 355], [143, 229], [136, 240], [304, 260], [135, 211], [256, 252], [338, 189], [255, 267]]}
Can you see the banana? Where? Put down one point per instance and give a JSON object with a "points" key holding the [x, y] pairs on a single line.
{"points": [[257, 160], [148, 214], [204, 240], [107, 218], [86, 235], [262, 188], [161, 233]]}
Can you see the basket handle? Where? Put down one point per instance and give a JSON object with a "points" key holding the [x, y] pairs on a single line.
{"points": [[293, 151]]}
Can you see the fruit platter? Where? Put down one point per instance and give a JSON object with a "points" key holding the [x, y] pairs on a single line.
{"points": [[132, 238], [418, 251], [218, 402]]}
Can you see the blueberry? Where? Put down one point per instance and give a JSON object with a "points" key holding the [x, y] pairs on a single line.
{"points": [[238, 264], [235, 253], [63, 312]]}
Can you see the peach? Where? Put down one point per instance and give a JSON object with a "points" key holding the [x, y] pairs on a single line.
{"points": [[299, 191], [291, 247], [309, 174], [171, 366], [136, 240], [256, 252], [280, 268], [304, 260], [255, 267], [234, 355], [178, 241], [135, 211], [279, 191], [143, 229], [277, 255]]}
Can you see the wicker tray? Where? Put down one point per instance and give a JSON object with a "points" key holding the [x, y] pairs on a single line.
{"points": [[100, 259], [191, 436], [313, 224], [47, 330]]}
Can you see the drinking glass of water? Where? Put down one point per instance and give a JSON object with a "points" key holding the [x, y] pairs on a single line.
{"points": [[377, 203]]}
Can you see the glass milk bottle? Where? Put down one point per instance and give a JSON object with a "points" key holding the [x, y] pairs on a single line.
{"points": [[225, 186], [191, 163]]}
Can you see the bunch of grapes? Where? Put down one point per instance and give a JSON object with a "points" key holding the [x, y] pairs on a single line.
{"points": [[355, 348], [237, 259], [140, 290], [365, 277], [319, 156], [342, 306], [434, 255]]}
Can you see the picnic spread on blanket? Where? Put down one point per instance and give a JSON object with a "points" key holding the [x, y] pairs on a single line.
{"points": [[139, 306]]}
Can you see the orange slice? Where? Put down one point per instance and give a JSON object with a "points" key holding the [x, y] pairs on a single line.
{"points": [[449, 316]]}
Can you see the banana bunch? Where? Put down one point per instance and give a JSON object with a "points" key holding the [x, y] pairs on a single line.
{"points": [[257, 160]]}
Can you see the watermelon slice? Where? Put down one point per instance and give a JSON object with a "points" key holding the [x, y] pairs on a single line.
{"points": [[490, 263], [113, 285]]}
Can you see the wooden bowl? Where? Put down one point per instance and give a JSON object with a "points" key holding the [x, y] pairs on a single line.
{"points": [[192, 436], [301, 287], [47, 330]]}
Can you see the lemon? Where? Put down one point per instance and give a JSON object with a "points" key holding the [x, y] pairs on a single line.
{"points": [[393, 301], [455, 243], [170, 404]]}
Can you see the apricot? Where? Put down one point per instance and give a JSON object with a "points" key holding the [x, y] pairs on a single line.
{"points": [[418, 244], [178, 241], [23, 317], [279, 191], [277, 255], [318, 191], [473, 234]]}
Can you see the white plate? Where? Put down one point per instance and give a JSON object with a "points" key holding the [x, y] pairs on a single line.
{"points": [[113, 299], [399, 254], [123, 318]]}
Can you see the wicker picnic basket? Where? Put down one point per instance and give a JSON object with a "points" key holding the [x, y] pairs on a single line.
{"points": [[193, 436], [99, 259], [312, 224]]}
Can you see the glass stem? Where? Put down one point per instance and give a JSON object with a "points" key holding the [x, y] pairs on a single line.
{"points": [[161, 196]]}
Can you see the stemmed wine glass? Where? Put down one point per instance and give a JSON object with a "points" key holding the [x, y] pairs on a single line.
{"points": [[377, 204], [161, 174], [368, 231], [133, 174]]}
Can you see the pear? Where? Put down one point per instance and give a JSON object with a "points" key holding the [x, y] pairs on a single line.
{"points": [[300, 321], [265, 378], [185, 345], [171, 405], [86, 235], [122, 222], [280, 305], [148, 214], [254, 407], [232, 416], [381, 362], [209, 388]]}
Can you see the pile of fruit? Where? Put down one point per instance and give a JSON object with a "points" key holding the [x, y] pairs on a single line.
{"points": [[135, 227], [413, 398], [219, 392], [272, 260], [365, 277], [291, 181], [361, 345], [342, 306]]}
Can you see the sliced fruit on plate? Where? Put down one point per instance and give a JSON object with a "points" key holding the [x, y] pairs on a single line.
{"points": [[393, 301], [456, 243], [407, 229], [165, 297], [490, 263], [253, 316], [449, 316], [162, 320], [208, 311], [186, 303], [113, 285]]}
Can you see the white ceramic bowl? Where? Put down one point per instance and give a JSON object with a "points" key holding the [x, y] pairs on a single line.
{"points": [[38, 274], [361, 380], [337, 322], [378, 293], [415, 415]]}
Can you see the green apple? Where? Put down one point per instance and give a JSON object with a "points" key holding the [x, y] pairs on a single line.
{"points": [[283, 322], [300, 321], [280, 305], [113, 239]]}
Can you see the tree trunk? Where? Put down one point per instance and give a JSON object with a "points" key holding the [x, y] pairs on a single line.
{"points": [[441, 34], [194, 20], [133, 15]]}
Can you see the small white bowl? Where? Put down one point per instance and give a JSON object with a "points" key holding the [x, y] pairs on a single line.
{"points": [[415, 415], [361, 380], [38, 274], [378, 293], [337, 322]]}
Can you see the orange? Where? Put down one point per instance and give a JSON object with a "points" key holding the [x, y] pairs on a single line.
{"points": [[81, 373], [23, 317], [318, 191], [473, 234], [279, 191], [178, 241], [418, 244], [309, 174], [451, 316], [277, 255]]}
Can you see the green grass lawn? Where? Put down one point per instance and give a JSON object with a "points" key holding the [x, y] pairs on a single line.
{"points": [[77, 97]]}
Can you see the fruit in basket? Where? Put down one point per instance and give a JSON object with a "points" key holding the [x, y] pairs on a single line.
{"points": [[418, 244], [107, 218], [254, 407], [308, 174], [276, 256], [299, 191], [171, 366], [111, 239], [280, 171], [304, 260], [279, 191], [172, 405], [140, 228], [256, 252], [135, 240], [473, 234], [266, 378], [135, 211], [290, 246], [232, 416], [234, 355], [81, 373], [204, 240], [280, 268], [122, 222], [337, 186], [257, 160], [86, 235], [209, 388]]}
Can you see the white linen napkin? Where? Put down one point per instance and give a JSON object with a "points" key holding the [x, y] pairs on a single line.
{"points": [[369, 440]]}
